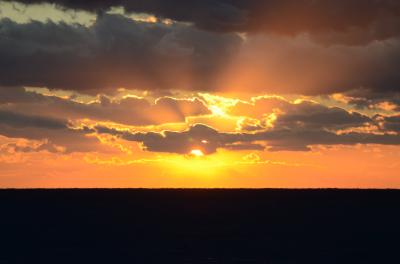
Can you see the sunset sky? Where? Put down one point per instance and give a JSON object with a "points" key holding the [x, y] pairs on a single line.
{"points": [[213, 93]]}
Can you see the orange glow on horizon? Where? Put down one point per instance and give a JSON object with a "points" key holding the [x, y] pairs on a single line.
{"points": [[116, 162]]}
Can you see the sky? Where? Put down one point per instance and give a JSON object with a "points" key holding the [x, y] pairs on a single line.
{"points": [[200, 94]]}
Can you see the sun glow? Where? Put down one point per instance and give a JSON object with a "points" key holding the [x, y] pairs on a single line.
{"points": [[203, 167], [197, 153], [217, 111], [218, 105]]}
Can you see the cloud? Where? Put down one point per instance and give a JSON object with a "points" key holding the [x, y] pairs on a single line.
{"points": [[244, 146], [128, 110], [272, 64], [301, 140], [289, 47], [375, 100], [17, 120], [113, 52], [279, 113], [56, 131], [277, 125], [199, 136], [388, 123], [24, 147], [287, 126], [330, 21], [117, 51], [208, 140], [315, 116]]}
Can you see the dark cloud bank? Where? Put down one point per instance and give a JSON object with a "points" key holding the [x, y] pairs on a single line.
{"points": [[114, 52], [355, 45], [361, 18]]}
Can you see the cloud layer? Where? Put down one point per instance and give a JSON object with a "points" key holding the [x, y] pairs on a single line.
{"points": [[291, 47], [208, 140], [351, 21], [114, 52], [128, 110], [292, 127]]}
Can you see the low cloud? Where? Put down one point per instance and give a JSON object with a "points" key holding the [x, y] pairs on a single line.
{"points": [[19, 147], [281, 126], [56, 131], [128, 110], [388, 123], [17, 120], [279, 113], [208, 140], [375, 100], [295, 127]]}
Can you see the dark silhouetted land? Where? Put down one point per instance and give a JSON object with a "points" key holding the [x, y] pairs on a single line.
{"points": [[199, 226]]}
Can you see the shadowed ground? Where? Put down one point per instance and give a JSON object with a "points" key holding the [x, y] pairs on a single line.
{"points": [[199, 226]]}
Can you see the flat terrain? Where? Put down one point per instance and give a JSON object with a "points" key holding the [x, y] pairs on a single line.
{"points": [[199, 226]]}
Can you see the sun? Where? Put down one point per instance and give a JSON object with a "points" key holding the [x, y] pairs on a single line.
{"points": [[197, 153]]}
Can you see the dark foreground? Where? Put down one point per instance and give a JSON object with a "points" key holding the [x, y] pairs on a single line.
{"points": [[199, 226]]}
